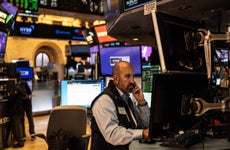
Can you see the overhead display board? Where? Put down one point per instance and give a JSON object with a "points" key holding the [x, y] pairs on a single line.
{"points": [[102, 36], [131, 4], [26, 8], [47, 31], [80, 6]]}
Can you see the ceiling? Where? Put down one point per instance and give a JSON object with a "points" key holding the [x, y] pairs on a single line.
{"points": [[214, 13]]}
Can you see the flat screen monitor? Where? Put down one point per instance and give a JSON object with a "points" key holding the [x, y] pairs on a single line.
{"points": [[146, 52], [170, 94], [26, 72], [8, 13], [179, 48], [102, 36], [94, 49], [6, 20], [80, 92], [27, 8], [80, 50], [94, 54], [10, 8], [111, 55], [221, 55], [90, 36], [3, 41]]}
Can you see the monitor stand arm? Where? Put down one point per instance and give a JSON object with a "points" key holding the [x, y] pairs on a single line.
{"points": [[199, 106]]}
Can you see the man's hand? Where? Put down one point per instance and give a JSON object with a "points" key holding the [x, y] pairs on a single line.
{"points": [[139, 96], [145, 133]]}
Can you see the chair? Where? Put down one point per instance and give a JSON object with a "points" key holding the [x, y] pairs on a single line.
{"points": [[67, 128]]}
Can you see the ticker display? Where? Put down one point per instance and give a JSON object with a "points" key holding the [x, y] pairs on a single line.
{"points": [[47, 31], [26, 8]]}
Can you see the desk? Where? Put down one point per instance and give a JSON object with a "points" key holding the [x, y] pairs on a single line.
{"points": [[208, 144]]}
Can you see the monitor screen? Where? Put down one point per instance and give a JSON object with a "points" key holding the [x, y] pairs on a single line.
{"points": [[6, 20], [221, 56], [10, 8], [94, 54], [146, 52], [170, 93], [80, 50], [28, 8], [179, 44], [102, 36], [80, 92], [3, 41], [94, 49], [111, 55], [26, 72], [90, 36]]}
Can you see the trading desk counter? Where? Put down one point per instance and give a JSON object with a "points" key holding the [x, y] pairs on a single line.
{"points": [[207, 144]]}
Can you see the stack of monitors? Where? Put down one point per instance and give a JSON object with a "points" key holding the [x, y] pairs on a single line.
{"points": [[8, 14]]}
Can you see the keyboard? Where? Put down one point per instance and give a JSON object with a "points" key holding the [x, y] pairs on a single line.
{"points": [[183, 140]]}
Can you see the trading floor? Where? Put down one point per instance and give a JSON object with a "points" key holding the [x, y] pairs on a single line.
{"points": [[40, 127], [41, 123]]}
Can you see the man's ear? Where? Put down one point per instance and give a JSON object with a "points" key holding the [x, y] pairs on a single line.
{"points": [[115, 78]]}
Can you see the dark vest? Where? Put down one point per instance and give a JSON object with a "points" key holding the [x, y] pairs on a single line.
{"points": [[98, 141]]}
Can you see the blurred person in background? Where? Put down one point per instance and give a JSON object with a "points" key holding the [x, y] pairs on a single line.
{"points": [[25, 95]]}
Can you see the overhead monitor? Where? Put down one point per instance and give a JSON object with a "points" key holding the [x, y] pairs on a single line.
{"points": [[146, 52], [221, 55], [102, 35], [110, 55], [79, 50], [80, 92], [26, 72], [28, 8], [6, 21], [94, 54], [90, 36], [10, 8], [3, 41]]}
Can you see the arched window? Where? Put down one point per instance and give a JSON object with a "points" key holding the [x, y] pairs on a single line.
{"points": [[42, 60]]}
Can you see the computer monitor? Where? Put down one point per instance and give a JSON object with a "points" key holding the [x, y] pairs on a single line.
{"points": [[178, 44], [8, 14], [170, 95], [26, 72], [101, 34], [3, 41], [109, 56], [80, 92], [146, 52], [79, 50], [90, 36], [221, 56]]}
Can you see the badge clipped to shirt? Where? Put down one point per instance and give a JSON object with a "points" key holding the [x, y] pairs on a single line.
{"points": [[122, 110]]}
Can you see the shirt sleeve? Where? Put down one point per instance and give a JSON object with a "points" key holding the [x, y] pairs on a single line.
{"points": [[144, 113], [105, 114]]}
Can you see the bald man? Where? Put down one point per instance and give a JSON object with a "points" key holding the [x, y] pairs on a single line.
{"points": [[116, 120]]}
